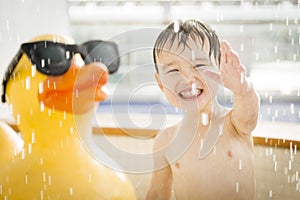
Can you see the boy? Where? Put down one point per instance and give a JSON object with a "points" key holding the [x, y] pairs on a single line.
{"points": [[209, 155]]}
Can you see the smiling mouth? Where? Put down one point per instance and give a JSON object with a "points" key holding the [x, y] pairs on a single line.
{"points": [[189, 94]]}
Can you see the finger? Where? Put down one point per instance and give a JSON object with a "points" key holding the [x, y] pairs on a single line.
{"points": [[223, 53]]}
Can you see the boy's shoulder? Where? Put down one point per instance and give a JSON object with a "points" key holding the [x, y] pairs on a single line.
{"points": [[165, 136]]}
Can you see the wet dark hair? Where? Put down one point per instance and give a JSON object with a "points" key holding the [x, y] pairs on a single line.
{"points": [[188, 29]]}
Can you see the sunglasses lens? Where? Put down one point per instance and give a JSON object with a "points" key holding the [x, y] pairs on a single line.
{"points": [[51, 59], [105, 52]]}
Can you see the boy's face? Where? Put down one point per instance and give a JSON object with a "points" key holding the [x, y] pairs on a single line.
{"points": [[181, 75]]}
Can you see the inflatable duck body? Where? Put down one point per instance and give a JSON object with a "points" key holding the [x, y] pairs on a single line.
{"points": [[10, 144], [49, 112]]}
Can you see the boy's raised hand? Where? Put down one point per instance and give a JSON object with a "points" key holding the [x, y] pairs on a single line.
{"points": [[233, 73]]}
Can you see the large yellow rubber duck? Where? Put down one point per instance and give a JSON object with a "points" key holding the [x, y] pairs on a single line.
{"points": [[52, 163], [10, 144]]}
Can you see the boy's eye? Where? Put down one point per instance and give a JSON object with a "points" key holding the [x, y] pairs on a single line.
{"points": [[200, 65], [172, 70]]}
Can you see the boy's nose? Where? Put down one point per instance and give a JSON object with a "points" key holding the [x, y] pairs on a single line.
{"points": [[189, 76]]}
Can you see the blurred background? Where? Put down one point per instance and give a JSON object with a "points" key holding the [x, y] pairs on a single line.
{"points": [[265, 33]]}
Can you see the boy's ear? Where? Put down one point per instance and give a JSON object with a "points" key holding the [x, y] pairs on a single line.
{"points": [[159, 81]]}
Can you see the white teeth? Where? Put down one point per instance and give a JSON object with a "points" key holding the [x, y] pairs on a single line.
{"points": [[187, 94]]}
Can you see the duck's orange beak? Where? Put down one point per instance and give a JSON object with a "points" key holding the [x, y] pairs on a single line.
{"points": [[77, 90]]}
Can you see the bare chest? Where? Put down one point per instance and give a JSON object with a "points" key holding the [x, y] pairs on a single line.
{"points": [[227, 171]]}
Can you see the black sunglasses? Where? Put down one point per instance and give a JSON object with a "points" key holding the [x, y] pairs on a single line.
{"points": [[54, 59]]}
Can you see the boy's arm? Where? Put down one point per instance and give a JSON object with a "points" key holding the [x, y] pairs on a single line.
{"points": [[161, 182], [245, 110]]}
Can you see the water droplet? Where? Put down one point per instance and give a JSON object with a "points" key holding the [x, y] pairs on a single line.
{"points": [[291, 149], [23, 154], [270, 99], [267, 152], [41, 88], [257, 56], [67, 55], [275, 166], [26, 179], [214, 150], [179, 36], [289, 178], [204, 119], [241, 28], [285, 170], [60, 123], [29, 148], [274, 157], [292, 41], [290, 164], [176, 26], [292, 107], [18, 119], [44, 177], [294, 57], [194, 91], [33, 70], [271, 27], [27, 83], [240, 164], [43, 62], [42, 194], [242, 78], [76, 93], [32, 137], [49, 113], [71, 191], [193, 55], [42, 106], [7, 25], [90, 178], [270, 193], [275, 49], [276, 113], [49, 180], [71, 130], [41, 161], [242, 47], [48, 83], [237, 187], [201, 144]]}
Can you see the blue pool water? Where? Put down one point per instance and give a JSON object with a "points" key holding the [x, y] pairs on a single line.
{"points": [[275, 111]]}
